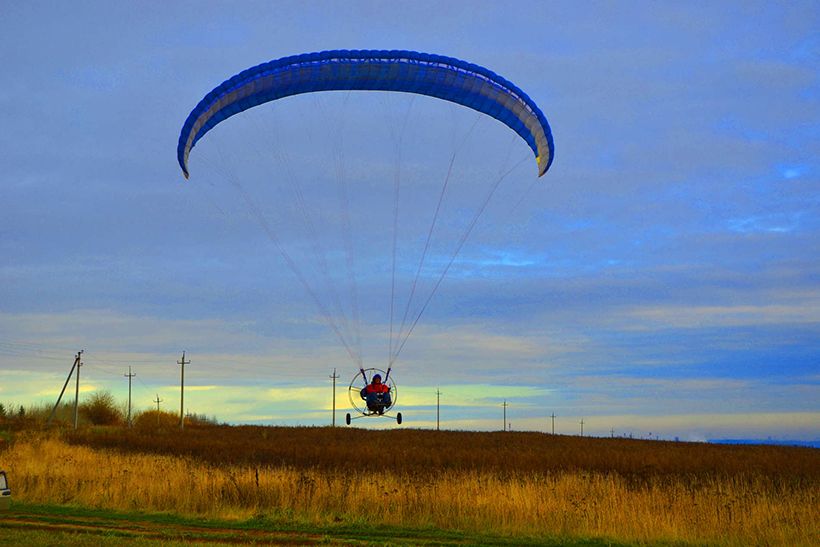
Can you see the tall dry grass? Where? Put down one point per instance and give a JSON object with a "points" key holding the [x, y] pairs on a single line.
{"points": [[742, 509], [413, 451]]}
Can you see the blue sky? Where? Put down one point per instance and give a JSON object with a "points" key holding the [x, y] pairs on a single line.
{"points": [[662, 277]]}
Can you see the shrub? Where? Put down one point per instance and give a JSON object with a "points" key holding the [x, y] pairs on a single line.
{"points": [[155, 420], [200, 420], [101, 409]]}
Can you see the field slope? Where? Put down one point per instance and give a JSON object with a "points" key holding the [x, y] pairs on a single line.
{"points": [[425, 486]]}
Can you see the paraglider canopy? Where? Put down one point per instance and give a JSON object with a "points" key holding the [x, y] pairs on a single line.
{"points": [[438, 76]]}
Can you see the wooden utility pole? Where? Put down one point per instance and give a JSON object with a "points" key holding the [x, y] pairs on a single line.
{"points": [[505, 415], [582, 427], [129, 376], [158, 401], [65, 385], [334, 396], [553, 422], [438, 408], [77, 394], [182, 362]]}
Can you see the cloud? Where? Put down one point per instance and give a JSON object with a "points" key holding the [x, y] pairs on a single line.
{"points": [[473, 340], [802, 311], [777, 223], [201, 388], [303, 395], [469, 395], [792, 171]]}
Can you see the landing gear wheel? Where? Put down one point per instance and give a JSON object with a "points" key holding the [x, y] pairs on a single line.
{"points": [[398, 418], [347, 418]]}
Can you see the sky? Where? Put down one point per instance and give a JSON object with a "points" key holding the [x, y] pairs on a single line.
{"points": [[660, 281]]}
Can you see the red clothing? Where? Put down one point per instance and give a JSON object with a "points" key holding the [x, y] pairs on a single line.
{"points": [[377, 388]]}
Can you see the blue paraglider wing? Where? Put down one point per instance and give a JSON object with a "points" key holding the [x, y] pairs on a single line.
{"points": [[406, 71]]}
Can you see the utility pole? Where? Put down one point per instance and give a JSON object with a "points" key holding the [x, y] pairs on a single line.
{"points": [[553, 422], [68, 379], [438, 408], [77, 394], [505, 415], [582, 427], [334, 396], [182, 362], [129, 376], [612, 433], [158, 401]]}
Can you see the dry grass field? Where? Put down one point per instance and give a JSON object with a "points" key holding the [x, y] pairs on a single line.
{"points": [[525, 484]]}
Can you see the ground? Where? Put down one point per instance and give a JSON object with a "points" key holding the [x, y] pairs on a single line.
{"points": [[24, 524]]}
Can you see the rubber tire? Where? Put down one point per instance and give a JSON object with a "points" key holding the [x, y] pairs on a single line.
{"points": [[398, 418], [347, 418]]}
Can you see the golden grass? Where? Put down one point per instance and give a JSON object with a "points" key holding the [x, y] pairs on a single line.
{"points": [[753, 508], [420, 451]]}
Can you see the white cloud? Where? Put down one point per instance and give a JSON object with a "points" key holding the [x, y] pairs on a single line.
{"points": [[805, 310]]}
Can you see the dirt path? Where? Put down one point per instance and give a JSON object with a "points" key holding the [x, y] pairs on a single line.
{"points": [[24, 524], [147, 529], [41, 525]]}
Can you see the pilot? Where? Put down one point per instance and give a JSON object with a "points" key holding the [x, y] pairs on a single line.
{"points": [[377, 395]]}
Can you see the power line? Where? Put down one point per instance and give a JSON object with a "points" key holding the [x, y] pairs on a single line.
{"points": [[98, 366], [17, 349]]}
